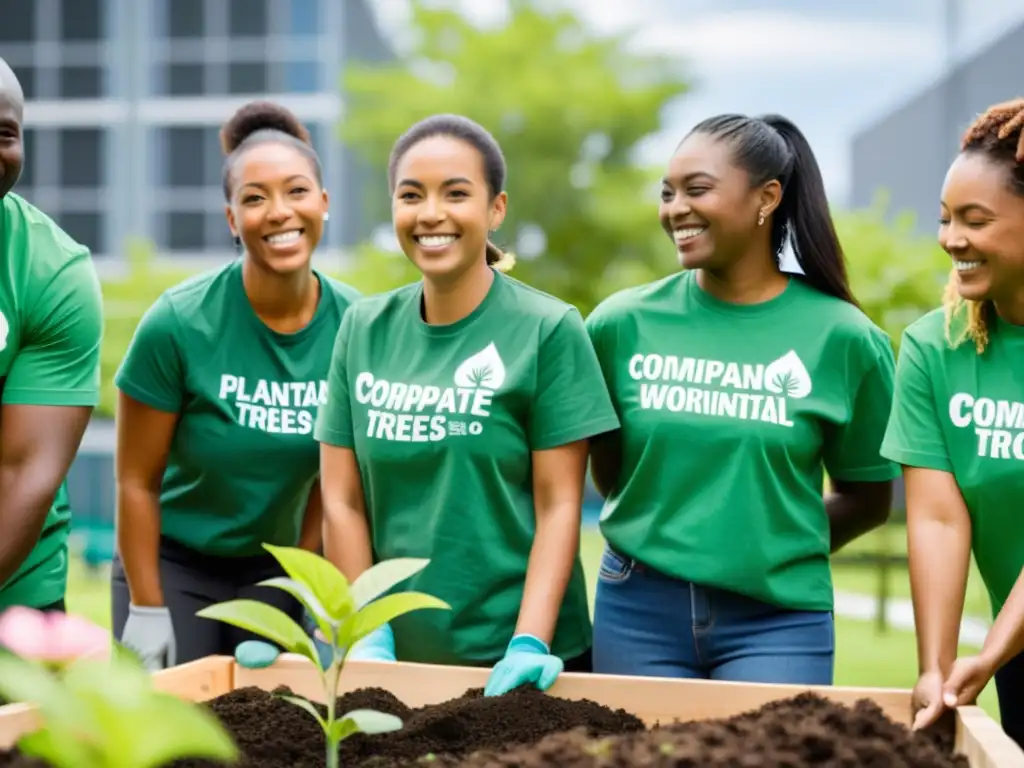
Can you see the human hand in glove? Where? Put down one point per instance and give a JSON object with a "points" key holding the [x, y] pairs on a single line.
{"points": [[149, 633], [527, 660]]}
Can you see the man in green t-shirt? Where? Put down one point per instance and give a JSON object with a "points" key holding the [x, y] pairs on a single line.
{"points": [[957, 426], [51, 325]]}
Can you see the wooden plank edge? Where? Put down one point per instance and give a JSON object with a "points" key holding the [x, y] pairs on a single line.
{"points": [[652, 699], [984, 742]]}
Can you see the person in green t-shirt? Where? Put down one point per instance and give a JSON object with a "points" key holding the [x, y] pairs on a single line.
{"points": [[957, 427], [738, 386], [51, 327], [456, 425], [219, 391]]}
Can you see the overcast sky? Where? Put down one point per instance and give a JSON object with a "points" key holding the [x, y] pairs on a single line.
{"points": [[831, 67]]}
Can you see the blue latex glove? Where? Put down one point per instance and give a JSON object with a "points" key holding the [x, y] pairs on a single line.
{"points": [[379, 645], [527, 660], [257, 654]]}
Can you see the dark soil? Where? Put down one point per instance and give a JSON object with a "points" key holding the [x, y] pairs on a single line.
{"points": [[529, 729]]}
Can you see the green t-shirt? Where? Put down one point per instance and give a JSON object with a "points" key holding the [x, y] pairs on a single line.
{"points": [[729, 415], [51, 327], [963, 413], [443, 421], [243, 458]]}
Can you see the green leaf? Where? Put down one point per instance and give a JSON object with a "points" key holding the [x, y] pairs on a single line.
{"points": [[184, 730], [375, 581], [58, 749], [304, 595], [368, 721], [307, 705], [318, 574], [22, 680], [381, 611], [265, 620]]}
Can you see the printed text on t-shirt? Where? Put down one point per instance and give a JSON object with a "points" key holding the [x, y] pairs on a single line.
{"points": [[277, 407], [745, 391], [998, 424], [413, 412]]}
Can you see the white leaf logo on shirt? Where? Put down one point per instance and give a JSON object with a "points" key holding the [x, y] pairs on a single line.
{"points": [[788, 377], [484, 370], [4, 330]]}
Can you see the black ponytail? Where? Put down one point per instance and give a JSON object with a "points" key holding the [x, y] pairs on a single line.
{"points": [[772, 147]]}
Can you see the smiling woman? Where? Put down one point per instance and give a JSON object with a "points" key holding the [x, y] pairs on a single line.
{"points": [[219, 390], [957, 426]]}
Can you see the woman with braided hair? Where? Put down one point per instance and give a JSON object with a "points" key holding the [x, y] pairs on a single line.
{"points": [[957, 426]]}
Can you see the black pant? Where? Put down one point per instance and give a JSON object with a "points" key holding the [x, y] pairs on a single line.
{"points": [[192, 581], [1010, 691]]}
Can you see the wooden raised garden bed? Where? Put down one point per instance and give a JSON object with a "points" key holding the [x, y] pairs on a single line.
{"points": [[798, 727]]}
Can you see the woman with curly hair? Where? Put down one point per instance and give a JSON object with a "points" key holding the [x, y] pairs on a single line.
{"points": [[219, 392], [957, 426]]}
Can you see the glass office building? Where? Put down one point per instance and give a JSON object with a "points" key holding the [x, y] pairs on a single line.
{"points": [[126, 98]]}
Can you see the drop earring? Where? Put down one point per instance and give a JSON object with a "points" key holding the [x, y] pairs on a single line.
{"points": [[760, 218], [326, 215], [238, 242]]}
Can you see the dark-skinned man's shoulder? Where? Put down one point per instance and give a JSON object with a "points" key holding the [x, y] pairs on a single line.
{"points": [[51, 311]]}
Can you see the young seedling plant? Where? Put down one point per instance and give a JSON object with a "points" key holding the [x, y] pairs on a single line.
{"points": [[344, 614]]}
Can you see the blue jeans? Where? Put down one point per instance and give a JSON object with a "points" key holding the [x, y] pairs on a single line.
{"points": [[649, 624]]}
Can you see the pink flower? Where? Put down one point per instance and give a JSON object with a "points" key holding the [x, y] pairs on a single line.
{"points": [[52, 636]]}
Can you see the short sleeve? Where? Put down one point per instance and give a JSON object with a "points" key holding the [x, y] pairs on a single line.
{"points": [[59, 361], [914, 435], [153, 369], [334, 418], [853, 450], [571, 401]]}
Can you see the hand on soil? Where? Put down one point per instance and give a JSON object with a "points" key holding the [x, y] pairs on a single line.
{"points": [[966, 680], [926, 701], [527, 660]]}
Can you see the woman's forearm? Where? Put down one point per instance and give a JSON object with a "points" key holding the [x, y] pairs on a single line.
{"points": [[549, 569], [347, 539], [1005, 639], [138, 542], [939, 554], [311, 535]]}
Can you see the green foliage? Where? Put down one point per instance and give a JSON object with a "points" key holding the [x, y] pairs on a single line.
{"points": [[896, 274], [344, 613], [100, 714], [570, 111]]}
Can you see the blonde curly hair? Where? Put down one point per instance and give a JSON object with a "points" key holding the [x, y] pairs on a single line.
{"points": [[999, 133]]}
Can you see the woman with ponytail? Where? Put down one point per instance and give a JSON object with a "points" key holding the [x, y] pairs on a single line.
{"points": [[456, 427], [738, 386], [957, 427]]}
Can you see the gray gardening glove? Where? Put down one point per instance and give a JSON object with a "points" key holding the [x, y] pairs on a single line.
{"points": [[150, 633]]}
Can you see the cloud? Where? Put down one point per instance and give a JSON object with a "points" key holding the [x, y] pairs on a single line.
{"points": [[770, 41]]}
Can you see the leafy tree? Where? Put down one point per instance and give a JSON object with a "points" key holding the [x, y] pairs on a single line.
{"points": [[569, 110], [897, 275]]}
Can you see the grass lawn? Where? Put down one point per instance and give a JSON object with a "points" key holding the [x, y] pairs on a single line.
{"points": [[864, 656]]}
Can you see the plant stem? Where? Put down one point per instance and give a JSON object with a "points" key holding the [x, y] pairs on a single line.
{"points": [[333, 675]]}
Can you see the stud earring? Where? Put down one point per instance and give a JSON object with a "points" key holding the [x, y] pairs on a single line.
{"points": [[326, 215]]}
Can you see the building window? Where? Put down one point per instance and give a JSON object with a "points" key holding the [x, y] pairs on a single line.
{"points": [[247, 18], [185, 230], [191, 157], [28, 166], [84, 226], [27, 77], [81, 82], [305, 17], [247, 78], [82, 156], [185, 80], [19, 21], [302, 77], [185, 18], [81, 20]]}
